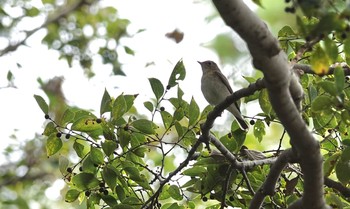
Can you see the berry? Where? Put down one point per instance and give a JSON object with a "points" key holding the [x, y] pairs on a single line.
{"points": [[98, 120], [252, 122], [205, 199], [102, 184], [80, 168], [87, 193], [343, 35], [67, 136], [102, 189], [47, 116], [211, 196], [69, 170], [162, 108], [168, 87], [105, 192], [231, 198], [58, 134]]}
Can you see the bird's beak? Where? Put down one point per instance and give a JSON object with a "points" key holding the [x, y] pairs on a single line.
{"points": [[199, 62]]}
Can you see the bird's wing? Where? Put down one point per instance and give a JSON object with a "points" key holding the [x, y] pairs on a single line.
{"points": [[225, 81]]}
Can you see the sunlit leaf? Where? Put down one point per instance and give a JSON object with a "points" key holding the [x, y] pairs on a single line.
{"points": [[320, 61], [86, 124], [72, 195], [53, 144]]}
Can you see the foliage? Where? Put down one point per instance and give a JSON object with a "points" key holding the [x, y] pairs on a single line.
{"points": [[130, 161], [73, 28]]}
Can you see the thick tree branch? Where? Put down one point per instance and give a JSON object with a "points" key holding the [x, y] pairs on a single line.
{"points": [[272, 61]]}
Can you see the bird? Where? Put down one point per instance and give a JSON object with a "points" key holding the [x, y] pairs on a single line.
{"points": [[215, 88]]}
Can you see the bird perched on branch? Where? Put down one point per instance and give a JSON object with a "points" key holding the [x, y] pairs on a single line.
{"points": [[216, 88]]}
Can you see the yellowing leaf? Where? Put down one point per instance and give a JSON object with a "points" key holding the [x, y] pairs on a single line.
{"points": [[320, 61]]}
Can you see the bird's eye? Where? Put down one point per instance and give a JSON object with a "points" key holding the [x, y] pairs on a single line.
{"points": [[209, 63]]}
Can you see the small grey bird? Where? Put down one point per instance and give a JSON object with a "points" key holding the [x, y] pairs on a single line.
{"points": [[216, 88]]}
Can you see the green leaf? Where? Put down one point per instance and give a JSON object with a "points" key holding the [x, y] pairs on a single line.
{"points": [[96, 155], [79, 149], [140, 151], [179, 129], [49, 129], [145, 126], [129, 51], [259, 130], [342, 170], [329, 164], [134, 173], [53, 145], [174, 192], [89, 166], [345, 155], [149, 106], [195, 171], [72, 195], [264, 102], [85, 181], [339, 78], [229, 142], [119, 107], [42, 104], [319, 61], [179, 73], [32, 12], [68, 116], [105, 103], [86, 124], [129, 101], [124, 138], [239, 136], [346, 48], [179, 114], [328, 87], [193, 113], [321, 103], [110, 176], [167, 119], [108, 131], [120, 192], [157, 87], [109, 147], [331, 48], [63, 164], [9, 76]]}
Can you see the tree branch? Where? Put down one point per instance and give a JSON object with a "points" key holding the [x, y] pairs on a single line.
{"points": [[272, 61]]}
